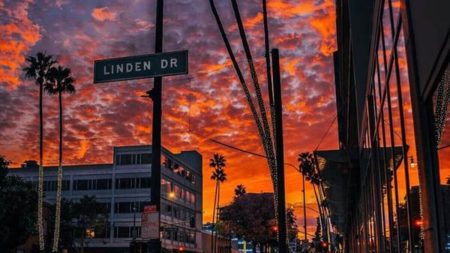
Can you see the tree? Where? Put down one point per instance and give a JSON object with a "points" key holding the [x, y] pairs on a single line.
{"points": [[81, 221], [4, 163], [318, 234], [292, 221], [18, 209], [217, 163], [60, 82], [38, 69], [252, 218], [239, 190], [89, 214]]}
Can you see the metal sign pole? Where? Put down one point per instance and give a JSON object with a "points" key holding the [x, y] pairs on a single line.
{"points": [[155, 245]]}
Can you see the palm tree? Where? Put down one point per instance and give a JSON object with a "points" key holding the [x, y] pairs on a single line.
{"points": [[239, 190], [61, 82], [217, 163], [38, 69]]}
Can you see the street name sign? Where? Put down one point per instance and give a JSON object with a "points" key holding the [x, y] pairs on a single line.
{"points": [[150, 223], [141, 66]]}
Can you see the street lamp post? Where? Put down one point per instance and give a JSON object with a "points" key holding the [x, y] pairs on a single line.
{"points": [[155, 243]]}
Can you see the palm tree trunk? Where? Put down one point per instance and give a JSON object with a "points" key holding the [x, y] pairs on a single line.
{"points": [[41, 172], [214, 217], [304, 207], [217, 214], [59, 180]]}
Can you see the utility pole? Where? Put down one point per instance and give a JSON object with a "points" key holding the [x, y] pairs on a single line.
{"points": [[155, 94], [281, 204]]}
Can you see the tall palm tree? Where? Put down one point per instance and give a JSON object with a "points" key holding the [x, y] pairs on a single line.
{"points": [[217, 163], [38, 69], [61, 82]]}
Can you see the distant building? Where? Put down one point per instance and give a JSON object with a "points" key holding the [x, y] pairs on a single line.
{"points": [[125, 184], [223, 244]]}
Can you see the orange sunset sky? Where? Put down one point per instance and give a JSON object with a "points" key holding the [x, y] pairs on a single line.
{"points": [[206, 103]]}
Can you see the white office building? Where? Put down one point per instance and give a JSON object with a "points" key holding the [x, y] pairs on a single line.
{"points": [[124, 187]]}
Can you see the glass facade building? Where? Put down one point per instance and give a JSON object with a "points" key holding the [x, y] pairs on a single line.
{"points": [[388, 184]]}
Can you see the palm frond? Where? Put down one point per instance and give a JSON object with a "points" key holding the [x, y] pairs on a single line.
{"points": [[60, 80]]}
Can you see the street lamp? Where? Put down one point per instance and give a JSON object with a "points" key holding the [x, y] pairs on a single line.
{"points": [[90, 233], [413, 164], [171, 195]]}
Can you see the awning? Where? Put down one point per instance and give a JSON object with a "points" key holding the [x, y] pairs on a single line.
{"points": [[334, 167]]}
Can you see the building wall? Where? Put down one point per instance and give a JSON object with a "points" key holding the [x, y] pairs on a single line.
{"points": [[427, 36], [126, 184]]}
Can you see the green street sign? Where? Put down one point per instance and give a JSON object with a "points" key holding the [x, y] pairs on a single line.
{"points": [[141, 66]]}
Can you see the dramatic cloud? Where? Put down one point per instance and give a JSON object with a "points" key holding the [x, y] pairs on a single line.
{"points": [[104, 14], [206, 104], [17, 35]]}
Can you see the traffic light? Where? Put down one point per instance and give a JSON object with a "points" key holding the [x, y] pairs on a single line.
{"points": [[273, 231], [418, 223]]}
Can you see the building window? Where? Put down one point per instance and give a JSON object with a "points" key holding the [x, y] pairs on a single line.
{"points": [[146, 158], [133, 183], [127, 207], [166, 186], [91, 184], [125, 159], [124, 207], [126, 231], [129, 159], [66, 185], [103, 184], [124, 183], [178, 169], [145, 182], [49, 186], [122, 232], [178, 192], [81, 185]]}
